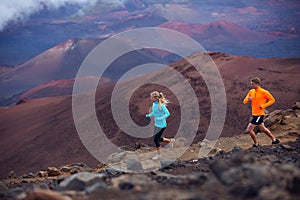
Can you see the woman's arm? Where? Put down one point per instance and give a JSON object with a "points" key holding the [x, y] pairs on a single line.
{"points": [[166, 112]]}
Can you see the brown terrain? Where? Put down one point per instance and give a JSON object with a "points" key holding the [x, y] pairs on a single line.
{"points": [[232, 169], [217, 31], [42, 156], [41, 132], [60, 87]]}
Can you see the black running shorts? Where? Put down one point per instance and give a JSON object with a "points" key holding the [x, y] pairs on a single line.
{"points": [[256, 120]]}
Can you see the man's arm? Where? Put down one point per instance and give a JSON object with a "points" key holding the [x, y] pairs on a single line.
{"points": [[270, 99], [247, 98]]}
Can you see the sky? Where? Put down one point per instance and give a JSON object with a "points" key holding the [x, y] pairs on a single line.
{"points": [[21, 10]]}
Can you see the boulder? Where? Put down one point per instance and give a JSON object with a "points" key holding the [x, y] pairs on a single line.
{"points": [[273, 118], [81, 181]]}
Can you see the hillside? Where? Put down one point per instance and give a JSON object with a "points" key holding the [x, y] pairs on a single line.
{"points": [[45, 126], [60, 87], [218, 32], [267, 172], [62, 62]]}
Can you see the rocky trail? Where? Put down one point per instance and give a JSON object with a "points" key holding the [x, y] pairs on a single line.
{"points": [[232, 170]]}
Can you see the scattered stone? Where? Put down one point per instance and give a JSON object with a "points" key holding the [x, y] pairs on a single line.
{"points": [[12, 174], [293, 134], [139, 145], [82, 165], [42, 173], [236, 149], [74, 170], [217, 151], [296, 106], [53, 171], [112, 172], [167, 162], [268, 172], [287, 147], [30, 175], [66, 169], [81, 181], [136, 182]]}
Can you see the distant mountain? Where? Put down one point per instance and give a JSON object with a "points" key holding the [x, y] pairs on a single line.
{"points": [[61, 63], [136, 21], [217, 32], [38, 128], [260, 22]]}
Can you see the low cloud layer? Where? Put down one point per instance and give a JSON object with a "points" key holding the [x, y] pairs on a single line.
{"points": [[20, 10]]}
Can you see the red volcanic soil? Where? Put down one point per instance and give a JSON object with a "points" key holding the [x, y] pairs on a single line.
{"points": [[37, 133], [61, 87], [40, 132], [218, 31]]}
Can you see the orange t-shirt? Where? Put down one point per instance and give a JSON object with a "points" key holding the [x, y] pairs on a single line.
{"points": [[260, 97]]}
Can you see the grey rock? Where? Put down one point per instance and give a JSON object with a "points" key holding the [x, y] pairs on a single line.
{"points": [[81, 181], [134, 165], [96, 186], [112, 172], [236, 149], [135, 182], [166, 162]]}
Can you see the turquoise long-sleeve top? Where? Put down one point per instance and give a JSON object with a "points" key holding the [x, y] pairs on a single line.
{"points": [[160, 115]]}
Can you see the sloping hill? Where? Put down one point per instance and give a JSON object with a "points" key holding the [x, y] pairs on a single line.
{"points": [[62, 63], [60, 87], [267, 172], [218, 32], [44, 129]]}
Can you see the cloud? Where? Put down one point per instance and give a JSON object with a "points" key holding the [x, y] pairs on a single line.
{"points": [[20, 10], [217, 15]]}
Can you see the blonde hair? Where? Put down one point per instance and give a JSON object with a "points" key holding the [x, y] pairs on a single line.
{"points": [[160, 97]]}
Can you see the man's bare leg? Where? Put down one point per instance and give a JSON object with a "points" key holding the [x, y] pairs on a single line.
{"points": [[250, 130]]}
